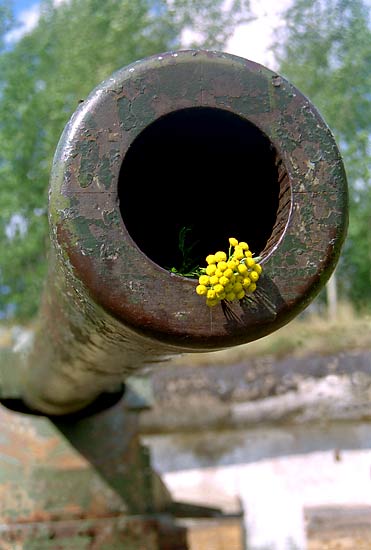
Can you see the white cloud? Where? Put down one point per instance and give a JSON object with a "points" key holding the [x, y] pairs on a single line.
{"points": [[27, 20], [252, 40], [17, 226]]}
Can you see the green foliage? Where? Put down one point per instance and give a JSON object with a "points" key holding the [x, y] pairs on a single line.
{"points": [[325, 50], [75, 46], [6, 20], [187, 267]]}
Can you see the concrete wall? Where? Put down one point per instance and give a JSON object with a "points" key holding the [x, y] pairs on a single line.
{"points": [[288, 441]]}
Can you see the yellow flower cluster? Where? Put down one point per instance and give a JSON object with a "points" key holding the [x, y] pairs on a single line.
{"points": [[229, 277]]}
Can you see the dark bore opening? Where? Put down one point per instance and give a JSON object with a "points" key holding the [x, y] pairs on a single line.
{"points": [[205, 174]]}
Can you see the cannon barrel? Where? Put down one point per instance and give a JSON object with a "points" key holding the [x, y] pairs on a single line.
{"points": [[194, 139]]}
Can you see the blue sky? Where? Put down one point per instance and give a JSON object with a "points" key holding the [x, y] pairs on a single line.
{"points": [[20, 5]]}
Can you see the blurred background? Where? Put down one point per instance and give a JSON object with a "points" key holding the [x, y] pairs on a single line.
{"points": [[280, 455]]}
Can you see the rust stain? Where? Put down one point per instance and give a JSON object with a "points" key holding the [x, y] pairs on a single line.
{"points": [[129, 298]]}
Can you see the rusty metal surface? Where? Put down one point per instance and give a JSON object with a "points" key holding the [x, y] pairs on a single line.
{"points": [[109, 308], [75, 467], [93, 235], [120, 533]]}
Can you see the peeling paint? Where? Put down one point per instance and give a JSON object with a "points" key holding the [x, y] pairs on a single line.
{"points": [[126, 309]]}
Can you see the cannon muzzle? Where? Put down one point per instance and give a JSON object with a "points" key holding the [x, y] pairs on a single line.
{"points": [[202, 142]]}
